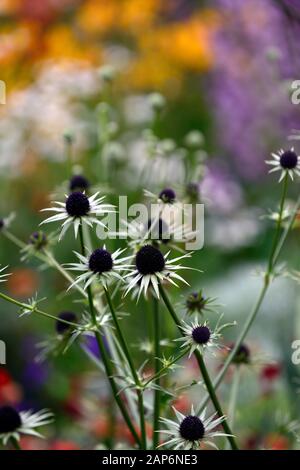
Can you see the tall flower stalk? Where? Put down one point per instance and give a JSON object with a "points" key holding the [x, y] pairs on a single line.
{"points": [[157, 354], [134, 373], [105, 357], [204, 372]]}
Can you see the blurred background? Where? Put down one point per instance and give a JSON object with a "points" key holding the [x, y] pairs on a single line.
{"points": [[82, 80]]}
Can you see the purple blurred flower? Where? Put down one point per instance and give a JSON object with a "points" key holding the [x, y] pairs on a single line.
{"points": [[34, 374], [256, 52]]}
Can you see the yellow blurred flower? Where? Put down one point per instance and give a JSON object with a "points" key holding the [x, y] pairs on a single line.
{"points": [[98, 16], [61, 42]]}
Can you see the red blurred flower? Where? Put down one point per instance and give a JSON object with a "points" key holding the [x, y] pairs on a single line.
{"points": [[64, 445], [270, 372], [10, 392]]}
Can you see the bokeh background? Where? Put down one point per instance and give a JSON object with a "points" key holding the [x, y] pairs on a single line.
{"points": [[225, 68]]}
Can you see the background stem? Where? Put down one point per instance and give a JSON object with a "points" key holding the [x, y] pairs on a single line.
{"points": [[157, 354]]}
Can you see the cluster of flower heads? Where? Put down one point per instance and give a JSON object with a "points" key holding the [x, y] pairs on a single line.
{"points": [[148, 266], [144, 270]]}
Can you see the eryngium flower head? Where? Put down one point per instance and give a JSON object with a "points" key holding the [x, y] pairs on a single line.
{"points": [[196, 302], [99, 265], [100, 261], [149, 260], [6, 221], [10, 419], [199, 336], [168, 196], [79, 183], [77, 204], [242, 356], [62, 327], [79, 209], [191, 432], [14, 423], [38, 240], [286, 161], [152, 267]]}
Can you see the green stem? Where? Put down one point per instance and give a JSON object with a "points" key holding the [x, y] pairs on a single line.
{"points": [[16, 443], [164, 369], [157, 354], [234, 395], [46, 257], [105, 357], [34, 309], [131, 366], [278, 225], [204, 372]]}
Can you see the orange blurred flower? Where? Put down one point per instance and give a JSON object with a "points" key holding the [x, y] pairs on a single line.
{"points": [[274, 441], [22, 283]]}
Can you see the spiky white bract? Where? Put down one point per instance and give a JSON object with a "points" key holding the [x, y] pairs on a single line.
{"points": [[288, 162], [3, 277], [88, 276], [174, 431], [159, 229], [29, 421], [96, 208], [168, 273]]}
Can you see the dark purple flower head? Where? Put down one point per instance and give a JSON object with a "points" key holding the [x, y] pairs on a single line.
{"points": [[77, 204], [62, 327], [242, 356], [289, 160], [100, 261], [201, 334], [192, 428], [38, 240], [10, 419], [167, 195], [79, 183], [149, 260]]}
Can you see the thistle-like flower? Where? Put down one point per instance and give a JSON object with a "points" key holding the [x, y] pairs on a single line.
{"points": [[62, 327], [79, 183], [3, 277], [6, 221], [101, 265], [14, 423], [166, 197], [197, 303], [191, 432], [78, 209], [152, 267], [242, 356], [286, 161], [199, 336]]}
